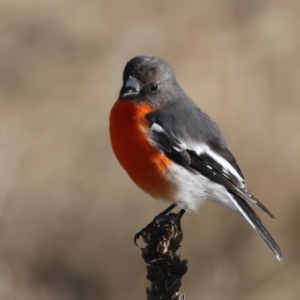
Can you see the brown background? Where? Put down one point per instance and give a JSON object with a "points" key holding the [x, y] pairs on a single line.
{"points": [[68, 211]]}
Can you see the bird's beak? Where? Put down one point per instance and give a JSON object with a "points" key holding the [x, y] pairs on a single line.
{"points": [[131, 88]]}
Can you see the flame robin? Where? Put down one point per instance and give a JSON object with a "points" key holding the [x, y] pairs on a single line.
{"points": [[174, 151]]}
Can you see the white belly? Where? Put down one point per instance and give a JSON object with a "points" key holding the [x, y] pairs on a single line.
{"points": [[193, 189]]}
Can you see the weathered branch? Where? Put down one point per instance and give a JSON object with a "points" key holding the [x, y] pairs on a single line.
{"points": [[165, 268]]}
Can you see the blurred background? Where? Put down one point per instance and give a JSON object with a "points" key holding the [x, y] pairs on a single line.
{"points": [[68, 212]]}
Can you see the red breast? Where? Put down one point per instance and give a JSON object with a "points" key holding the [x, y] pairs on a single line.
{"points": [[144, 163]]}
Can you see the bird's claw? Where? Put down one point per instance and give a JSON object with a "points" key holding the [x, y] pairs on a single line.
{"points": [[145, 232]]}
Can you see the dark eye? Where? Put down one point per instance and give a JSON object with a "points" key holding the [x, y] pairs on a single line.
{"points": [[153, 88]]}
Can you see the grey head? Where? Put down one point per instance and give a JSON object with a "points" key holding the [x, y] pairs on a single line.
{"points": [[148, 79]]}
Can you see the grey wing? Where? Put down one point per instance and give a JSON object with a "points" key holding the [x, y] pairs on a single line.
{"points": [[207, 155]]}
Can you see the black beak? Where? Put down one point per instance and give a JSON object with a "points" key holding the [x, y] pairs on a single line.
{"points": [[131, 88]]}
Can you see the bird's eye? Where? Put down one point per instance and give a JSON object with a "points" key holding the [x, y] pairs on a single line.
{"points": [[153, 88]]}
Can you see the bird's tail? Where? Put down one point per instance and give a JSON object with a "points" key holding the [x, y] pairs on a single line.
{"points": [[256, 223]]}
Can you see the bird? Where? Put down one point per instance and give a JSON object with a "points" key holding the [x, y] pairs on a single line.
{"points": [[172, 150]]}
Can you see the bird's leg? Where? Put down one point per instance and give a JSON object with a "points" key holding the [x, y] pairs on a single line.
{"points": [[181, 213], [165, 212], [159, 216]]}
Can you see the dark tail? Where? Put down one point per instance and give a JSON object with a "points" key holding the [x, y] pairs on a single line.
{"points": [[256, 223]]}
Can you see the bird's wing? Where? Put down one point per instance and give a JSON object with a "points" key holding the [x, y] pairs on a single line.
{"points": [[209, 158]]}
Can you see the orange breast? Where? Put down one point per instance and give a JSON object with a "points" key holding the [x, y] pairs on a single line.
{"points": [[145, 165]]}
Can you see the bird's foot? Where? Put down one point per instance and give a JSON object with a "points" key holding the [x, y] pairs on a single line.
{"points": [[161, 220]]}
